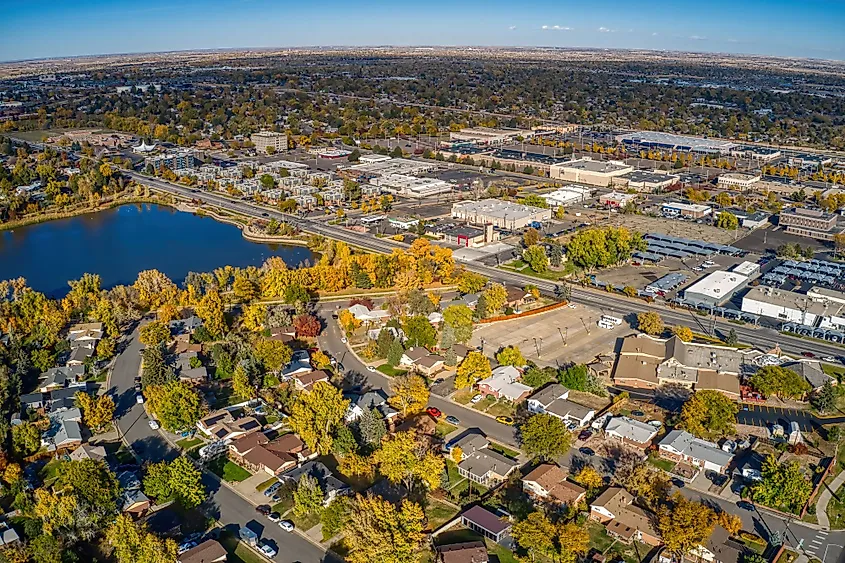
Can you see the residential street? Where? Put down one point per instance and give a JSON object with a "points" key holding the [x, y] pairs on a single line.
{"points": [[223, 504]]}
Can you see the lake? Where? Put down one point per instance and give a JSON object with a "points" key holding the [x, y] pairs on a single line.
{"points": [[120, 242]]}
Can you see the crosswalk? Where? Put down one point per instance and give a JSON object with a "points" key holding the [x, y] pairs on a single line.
{"points": [[816, 543]]}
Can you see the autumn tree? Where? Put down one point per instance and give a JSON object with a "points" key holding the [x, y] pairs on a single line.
{"points": [[685, 524], [470, 282], [730, 522], [780, 382], [510, 356], [96, 411], [530, 237], [727, 220], [26, 439], [371, 427], [401, 460], [683, 332], [474, 368], [410, 394], [545, 437], [307, 326], [783, 486], [536, 258], [179, 479], [495, 297], [132, 543], [709, 414], [273, 354], [419, 332], [175, 404], [379, 531], [535, 534], [459, 319], [589, 478], [254, 317], [316, 414], [241, 384], [308, 496], [650, 323], [210, 310], [154, 333], [650, 485]]}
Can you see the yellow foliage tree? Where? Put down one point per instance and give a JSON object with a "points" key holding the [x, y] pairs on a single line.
{"points": [[410, 394]]}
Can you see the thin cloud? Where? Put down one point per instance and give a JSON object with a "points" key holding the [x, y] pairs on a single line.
{"points": [[512, 27], [654, 34], [698, 37], [556, 28], [603, 29]]}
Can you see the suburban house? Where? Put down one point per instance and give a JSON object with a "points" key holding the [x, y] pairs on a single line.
{"points": [[681, 446], [517, 297], [360, 403], [62, 377], [83, 334], [187, 373], [80, 353], [222, 425], [304, 381], [421, 360], [185, 326], [285, 334], [32, 401], [466, 552], [299, 363], [64, 430], [470, 442], [182, 345], [622, 519], [503, 383], [329, 484], [290, 445], [630, 432], [63, 398], [209, 551], [648, 363], [719, 548], [487, 524], [365, 315], [480, 464], [250, 451], [811, 371], [554, 400], [8, 535], [132, 500], [86, 451], [548, 483]]}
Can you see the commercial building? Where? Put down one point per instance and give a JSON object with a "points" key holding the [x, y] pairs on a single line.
{"points": [[410, 186], [567, 195], [812, 223], [715, 288], [646, 180], [502, 214], [764, 154], [277, 142], [737, 181], [181, 160], [785, 306], [668, 141], [691, 210], [753, 220], [589, 171], [616, 199], [667, 283], [470, 237], [489, 136], [747, 269]]}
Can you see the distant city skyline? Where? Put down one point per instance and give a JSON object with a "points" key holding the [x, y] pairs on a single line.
{"points": [[46, 29]]}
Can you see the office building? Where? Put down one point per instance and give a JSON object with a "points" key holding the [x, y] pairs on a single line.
{"points": [[737, 181], [589, 171], [715, 288], [645, 180], [502, 214], [566, 195], [812, 223], [182, 160], [277, 142], [690, 210], [786, 306]]}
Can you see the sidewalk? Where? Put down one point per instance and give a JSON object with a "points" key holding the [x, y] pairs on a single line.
{"points": [[824, 500]]}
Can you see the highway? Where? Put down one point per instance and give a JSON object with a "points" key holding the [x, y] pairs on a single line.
{"points": [[224, 505], [762, 338]]}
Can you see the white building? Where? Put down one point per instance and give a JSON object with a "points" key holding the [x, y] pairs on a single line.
{"points": [[617, 199], [819, 305], [266, 139], [490, 136], [567, 195], [737, 181], [715, 288], [410, 186], [646, 180], [502, 214], [692, 210], [589, 171], [679, 445]]}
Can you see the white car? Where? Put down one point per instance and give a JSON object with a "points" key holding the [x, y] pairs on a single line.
{"points": [[267, 550], [371, 368], [344, 340], [154, 425], [476, 399], [139, 398], [185, 547], [829, 359], [286, 525]]}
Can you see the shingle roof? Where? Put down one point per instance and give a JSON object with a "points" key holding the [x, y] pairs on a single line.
{"points": [[486, 519], [206, 552], [687, 444]]}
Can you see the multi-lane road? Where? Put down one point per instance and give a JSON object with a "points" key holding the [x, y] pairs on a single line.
{"points": [[223, 504]]}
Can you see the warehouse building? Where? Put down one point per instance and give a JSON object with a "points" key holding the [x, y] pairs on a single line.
{"points": [[690, 210], [764, 154], [410, 186], [616, 199], [502, 214], [470, 237], [715, 288], [812, 223], [277, 142], [668, 141], [489, 136], [567, 195], [785, 306], [737, 181], [589, 171], [645, 180]]}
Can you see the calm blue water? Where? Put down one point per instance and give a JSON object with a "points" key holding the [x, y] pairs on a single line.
{"points": [[120, 242]]}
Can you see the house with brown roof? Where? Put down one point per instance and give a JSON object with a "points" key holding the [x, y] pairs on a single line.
{"points": [[622, 519], [257, 453], [466, 552], [486, 523], [209, 551], [421, 360], [222, 425], [548, 483], [517, 297], [305, 381]]}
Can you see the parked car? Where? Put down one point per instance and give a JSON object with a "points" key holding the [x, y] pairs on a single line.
{"points": [[154, 425], [263, 509], [828, 358], [267, 549], [452, 420], [434, 412], [476, 398], [139, 398], [185, 546], [585, 435], [637, 413], [275, 517], [286, 525], [272, 489], [587, 451], [371, 368], [745, 505], [505, 420], [808, 354]]}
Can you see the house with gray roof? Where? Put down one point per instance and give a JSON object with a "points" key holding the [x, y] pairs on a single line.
{"points": [[811, 371], [61, 377], [486, 467], [64, 431], [630, 431], [362, 402], [554, 400], [329, 484], [486, 523], [681, 446]]}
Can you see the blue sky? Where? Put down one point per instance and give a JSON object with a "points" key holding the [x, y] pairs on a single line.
{"points": [[53, 28]]}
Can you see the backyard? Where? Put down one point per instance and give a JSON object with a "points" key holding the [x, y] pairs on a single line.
{"points": [[228, 471]]}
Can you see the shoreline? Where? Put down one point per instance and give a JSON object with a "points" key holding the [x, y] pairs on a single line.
{"points": [[47, 217]]}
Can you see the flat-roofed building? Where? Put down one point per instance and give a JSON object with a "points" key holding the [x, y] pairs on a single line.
{"points": [[716, 287], [567, 195], [489, 135], [737, 181], [277, 142], [646, 180], [788, 306], [471, 237], [669, 141], [616, 199], [691, 210], [812, 223], [589, 171], [756, 153], [502, 214]]}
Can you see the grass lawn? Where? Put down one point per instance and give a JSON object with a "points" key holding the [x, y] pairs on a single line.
{"points": [[756, 547], [833, 371], [228, 471], [598, 537], [523, 268], [504, 555], [463, 396], [306, 522], [188, 443], [262, 486], [462, 494], [443, 429], [391, 371], [660, 463], [836, 509], [505, 451], [633, 553], [484, 403], [452, 470], [438, 513], [238, 552], [502, 408]]}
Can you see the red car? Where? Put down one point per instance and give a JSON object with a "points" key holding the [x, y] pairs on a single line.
{"points": [[434, 412], [808, 354]]}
